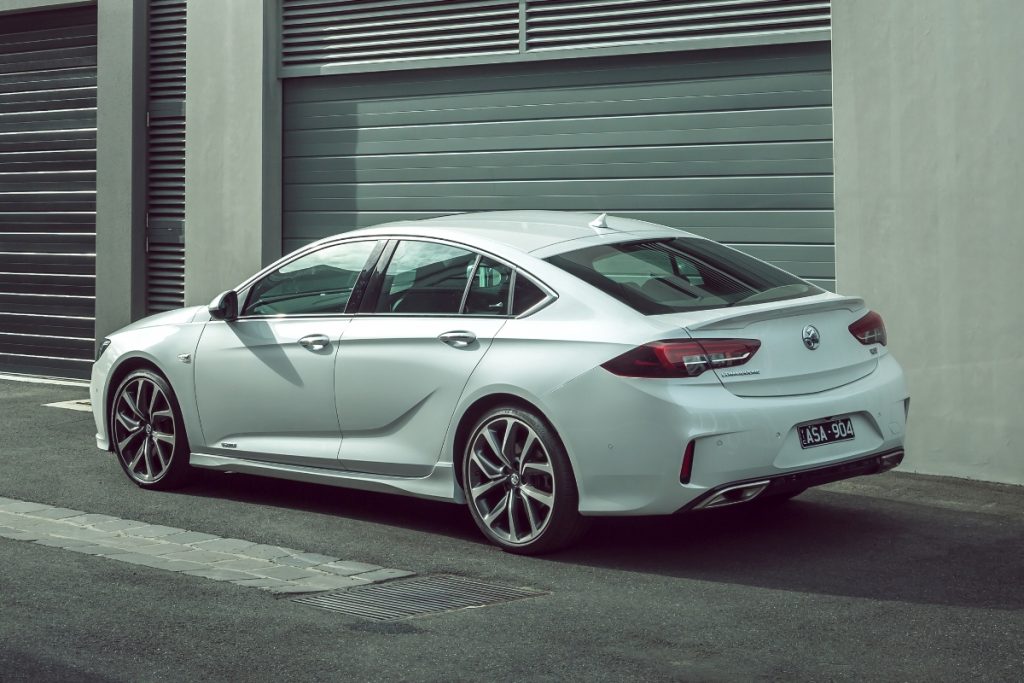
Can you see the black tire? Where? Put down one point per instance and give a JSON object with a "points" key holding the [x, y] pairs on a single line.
{"points": [[143, 414], [540, 469]]}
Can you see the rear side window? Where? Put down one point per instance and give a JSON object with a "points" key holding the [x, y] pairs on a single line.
{"points": [[526, 295], [425, 278], [682, 274], [488, 292]]}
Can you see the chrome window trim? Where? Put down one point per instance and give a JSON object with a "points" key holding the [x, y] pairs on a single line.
{"points": [[243, 290], [245, 287]]}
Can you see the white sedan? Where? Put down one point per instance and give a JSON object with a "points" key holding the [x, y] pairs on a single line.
{"points": [[541, 367]]}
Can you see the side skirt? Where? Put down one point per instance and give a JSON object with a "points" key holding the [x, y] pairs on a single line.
{"points": [[438, 485]]}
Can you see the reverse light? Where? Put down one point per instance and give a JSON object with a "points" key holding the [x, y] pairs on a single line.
{"points": [[869, 330], [682, 357]]}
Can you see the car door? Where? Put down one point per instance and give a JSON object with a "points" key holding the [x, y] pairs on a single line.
{"points": [[406, 358], [265, 381]]}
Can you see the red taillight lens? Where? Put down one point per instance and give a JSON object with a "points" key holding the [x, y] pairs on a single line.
{"points": [[687, 468], [682, 357], [869, 330]]}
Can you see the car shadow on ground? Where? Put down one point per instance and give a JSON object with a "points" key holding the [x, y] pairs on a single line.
{"points": [[826, 543], [405, 512], [821, 543]]}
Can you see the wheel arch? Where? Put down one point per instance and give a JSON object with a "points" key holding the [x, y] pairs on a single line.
{"points": [[477, 409], [122, 369]]}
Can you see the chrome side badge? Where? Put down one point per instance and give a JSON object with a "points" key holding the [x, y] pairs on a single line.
{"points": [[811, 336], [185, 358]]}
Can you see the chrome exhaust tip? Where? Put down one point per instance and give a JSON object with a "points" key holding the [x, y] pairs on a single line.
{"points": [[741, 493]]}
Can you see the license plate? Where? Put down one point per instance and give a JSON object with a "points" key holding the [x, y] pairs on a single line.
{"points": [[826, 431]]}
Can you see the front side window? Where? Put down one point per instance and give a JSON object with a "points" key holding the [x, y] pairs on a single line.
{"points": [[681, 274], [425, 278], [320, 282]]}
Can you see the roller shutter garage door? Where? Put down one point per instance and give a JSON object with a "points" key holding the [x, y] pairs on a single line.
{"points": [[732, 144], [48, 192]]}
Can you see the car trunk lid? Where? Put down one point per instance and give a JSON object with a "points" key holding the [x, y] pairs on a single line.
{"points": [[786, 364]]}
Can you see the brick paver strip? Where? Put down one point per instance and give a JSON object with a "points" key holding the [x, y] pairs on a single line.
{"points": [[315, 558], [189, 537], [348, 568], [383, 575], [114, 525], [58, 513], [286, 573], [243, 563], [156, 531], [266, 552], [93, 519], [23, 506], [224, 545]]}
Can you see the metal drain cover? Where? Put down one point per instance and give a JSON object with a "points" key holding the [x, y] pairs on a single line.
{"points": [[415, 597]]}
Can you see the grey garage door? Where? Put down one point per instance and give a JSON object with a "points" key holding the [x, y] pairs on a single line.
{"points": [[47, 192], [732, 144]]}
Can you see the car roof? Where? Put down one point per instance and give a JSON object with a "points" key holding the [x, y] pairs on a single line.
{"points": [[528, 231]]}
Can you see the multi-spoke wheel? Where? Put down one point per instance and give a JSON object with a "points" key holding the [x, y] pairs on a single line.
{"points": [[519, 484], [146, 432]]}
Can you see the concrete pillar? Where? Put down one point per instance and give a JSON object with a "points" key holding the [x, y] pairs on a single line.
{"points": [[233, 144], [120, 163]]}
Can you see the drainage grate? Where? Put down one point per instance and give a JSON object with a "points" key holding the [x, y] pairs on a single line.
{"points": [[415, 597]]}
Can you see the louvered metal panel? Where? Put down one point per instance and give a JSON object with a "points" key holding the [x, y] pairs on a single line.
{"points": [[732, 144], [565, 24], [332, 36], [48, 192], [357, 31], [165, 182], [166, 282]]}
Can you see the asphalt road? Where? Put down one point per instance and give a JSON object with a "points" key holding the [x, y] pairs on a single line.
{"points": [[889, 578]]}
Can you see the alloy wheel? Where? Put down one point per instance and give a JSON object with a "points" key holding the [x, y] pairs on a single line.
{"points": [[511, 480], [144, 430]]}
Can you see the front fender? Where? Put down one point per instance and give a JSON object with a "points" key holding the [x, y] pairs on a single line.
{"points": [[168, 348]]}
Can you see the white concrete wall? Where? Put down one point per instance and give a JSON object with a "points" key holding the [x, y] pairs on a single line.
{"points": [[929, 168]]}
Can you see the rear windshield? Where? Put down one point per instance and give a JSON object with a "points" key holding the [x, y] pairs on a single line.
{"points": [[681, 274]]}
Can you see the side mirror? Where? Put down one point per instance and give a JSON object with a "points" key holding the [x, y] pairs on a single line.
{"points": [[224, 306]]}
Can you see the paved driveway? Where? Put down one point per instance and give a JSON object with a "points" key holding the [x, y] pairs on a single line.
{"points": [[895, 577]]}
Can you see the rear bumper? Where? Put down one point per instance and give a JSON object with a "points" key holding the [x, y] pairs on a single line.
{"points": [[796, 481], [626, 438]]}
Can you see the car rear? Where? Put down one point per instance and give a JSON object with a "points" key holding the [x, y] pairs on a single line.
{"points": [[759, 382]]}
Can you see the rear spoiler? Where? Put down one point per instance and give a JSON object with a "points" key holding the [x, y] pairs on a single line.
{"points": [[733, 320]]}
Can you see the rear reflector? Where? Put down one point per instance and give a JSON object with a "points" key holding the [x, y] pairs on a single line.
{"points": [[687, 469], [682, 357], [869, 330]]}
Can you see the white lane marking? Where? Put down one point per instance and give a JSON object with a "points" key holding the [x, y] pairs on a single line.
{"points": [[244, 563], [84, 405], [32, 379]]}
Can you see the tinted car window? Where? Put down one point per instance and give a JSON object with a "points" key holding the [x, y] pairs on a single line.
{"points": [[488, 292], [526, 295], [319, 282], [425, 278], [683, 274]]}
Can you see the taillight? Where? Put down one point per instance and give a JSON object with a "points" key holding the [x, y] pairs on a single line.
{"points": [[869, 330], [682, 357]]}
